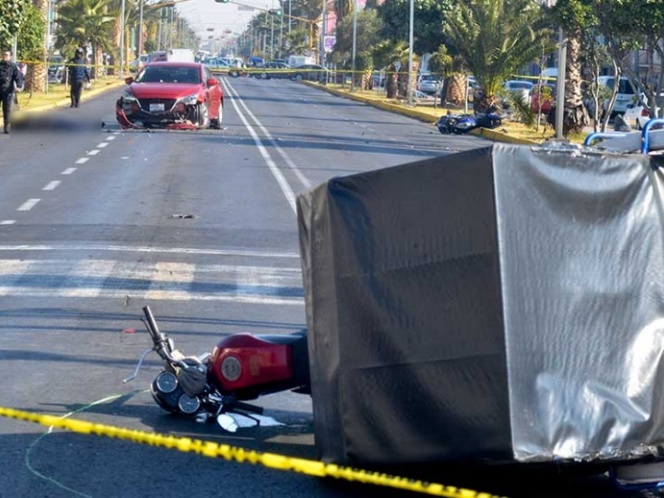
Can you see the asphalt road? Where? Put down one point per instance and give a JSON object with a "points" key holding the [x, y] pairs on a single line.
{"points": [[96, 223]]}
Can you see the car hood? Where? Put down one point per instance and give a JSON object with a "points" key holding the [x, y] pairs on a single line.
{"points": [[163, 90]]}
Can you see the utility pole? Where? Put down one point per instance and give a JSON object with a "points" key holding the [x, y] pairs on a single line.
{"points": [[140, 31], [122, 39], [410, 54], [352, 74]]}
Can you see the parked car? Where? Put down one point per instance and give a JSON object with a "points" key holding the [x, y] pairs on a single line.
{"points": [[310, 72], [274, 69], [637, 115], [542, 98], [430, 84], [626, 94], [215, 64], [518, 86], [137, 64], [173, 95], [56, 69]]}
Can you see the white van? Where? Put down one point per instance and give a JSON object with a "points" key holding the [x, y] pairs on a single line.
{"points": [[180, 55], [626, 93]]}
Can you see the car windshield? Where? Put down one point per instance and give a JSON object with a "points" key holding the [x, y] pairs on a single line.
{"points": [[170, 74]]}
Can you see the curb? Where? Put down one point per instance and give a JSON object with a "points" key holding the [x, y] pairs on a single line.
{"points": [[496, 136]]}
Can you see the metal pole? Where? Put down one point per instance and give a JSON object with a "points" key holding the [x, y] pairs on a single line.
{"points": [[322, 35], [122, 39], [271, 36], [289, 16], [410, 54], [140, 32], [352, 66], [281, 28], [48, 41], [560, 89]]}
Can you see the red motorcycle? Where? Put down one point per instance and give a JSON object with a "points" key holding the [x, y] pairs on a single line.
{"points": [[241, 367]]}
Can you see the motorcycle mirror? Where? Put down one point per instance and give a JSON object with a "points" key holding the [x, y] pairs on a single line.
{"points": [[227, 422]]}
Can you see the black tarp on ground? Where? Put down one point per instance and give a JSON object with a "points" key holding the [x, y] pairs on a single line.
{"points": [[447, 323]]}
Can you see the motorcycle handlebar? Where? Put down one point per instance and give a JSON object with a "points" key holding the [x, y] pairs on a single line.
{"points": [[160, 342]]}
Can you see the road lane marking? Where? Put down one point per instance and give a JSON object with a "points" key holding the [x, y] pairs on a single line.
{"points": [[93, 152], [52, 185], [102, 145], [110, 138], [68, 171], [28, 205], [7, 222], [82, 160], [164, 280], [152, 250], [276, 172], [166, 274]]}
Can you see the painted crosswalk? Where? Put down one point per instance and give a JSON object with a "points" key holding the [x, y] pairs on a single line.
{"points": [[167, 280]]}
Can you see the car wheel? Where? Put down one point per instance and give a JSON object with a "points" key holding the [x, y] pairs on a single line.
{"points": [[298, 77], [264, 75], [203, 119]]}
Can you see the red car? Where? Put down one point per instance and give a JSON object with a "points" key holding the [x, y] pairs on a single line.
{"points": [[172, 95]]}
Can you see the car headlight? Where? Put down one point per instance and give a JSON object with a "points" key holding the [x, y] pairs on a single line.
{"points": [[189, 100], [126, 95]]}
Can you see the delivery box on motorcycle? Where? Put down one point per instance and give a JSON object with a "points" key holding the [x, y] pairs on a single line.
{"points": [[500, 304]]}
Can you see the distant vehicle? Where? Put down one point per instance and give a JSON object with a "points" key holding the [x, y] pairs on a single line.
{"points": [[275, 69], [310, 72], [172, 95], [137, 64], [429, 84], [299, 60], [637, 115], [157, 56], [180, 55], [519, 86], [626, 94], [215, 64], [56, 69]]}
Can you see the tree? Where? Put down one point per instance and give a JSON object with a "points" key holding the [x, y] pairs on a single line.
{"points": [[85, 22], [12, 13], [428, 21], [31, 46], [495, 38]]}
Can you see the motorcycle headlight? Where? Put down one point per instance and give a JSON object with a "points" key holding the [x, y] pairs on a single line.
{"points": [[189, 100]]}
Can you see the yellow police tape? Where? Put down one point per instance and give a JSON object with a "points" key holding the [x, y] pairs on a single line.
{"points": [[270, 460]]}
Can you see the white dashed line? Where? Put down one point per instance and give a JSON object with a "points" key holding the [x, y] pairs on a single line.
{"points": [[52, 185], [110, 138], [28, 205], [82, 160], [68, 171], [102, 145], [93, 152], [7, 222]]}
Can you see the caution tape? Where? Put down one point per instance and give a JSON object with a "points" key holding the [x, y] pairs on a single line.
{"points": [[270, 460]]}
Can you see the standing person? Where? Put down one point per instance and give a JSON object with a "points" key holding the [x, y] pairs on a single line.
{"points": [[11, 80], [78, 74]]}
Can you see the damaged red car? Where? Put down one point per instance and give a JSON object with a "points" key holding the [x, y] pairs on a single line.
{"points": [[171, 95]]}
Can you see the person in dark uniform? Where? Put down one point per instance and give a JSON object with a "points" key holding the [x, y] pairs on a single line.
{"points": [[78, 75], [11, 80]]}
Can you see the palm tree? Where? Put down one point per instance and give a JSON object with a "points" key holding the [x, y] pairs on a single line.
{"points": [[495, 38], [37, 72], [83, 22]]}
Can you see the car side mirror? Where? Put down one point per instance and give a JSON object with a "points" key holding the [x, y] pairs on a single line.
{"points": [[212, 82], [129, 80]]}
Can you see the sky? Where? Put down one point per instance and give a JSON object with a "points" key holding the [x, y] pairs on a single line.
{"points": [[204, 15]]}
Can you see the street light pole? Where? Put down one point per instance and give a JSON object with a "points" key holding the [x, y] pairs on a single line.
{"points": [[140, 31], [560, 82], [352, 74], [122, 39], [322, 34], [410, 53]]}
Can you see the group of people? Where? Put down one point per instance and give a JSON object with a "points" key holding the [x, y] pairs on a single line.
{"points": [[12, 80]]}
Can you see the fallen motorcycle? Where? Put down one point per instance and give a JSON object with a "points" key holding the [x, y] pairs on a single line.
{"points": [[463, 123], [241, 367]]}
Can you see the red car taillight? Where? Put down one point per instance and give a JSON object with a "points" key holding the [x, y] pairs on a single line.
{"points": [[645, 112]]}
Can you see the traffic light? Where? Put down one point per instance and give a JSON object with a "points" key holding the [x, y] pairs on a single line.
{"points": [[222, 1], [274, 12]]}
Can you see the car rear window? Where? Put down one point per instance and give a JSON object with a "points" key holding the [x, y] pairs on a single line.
{"points": [[624, 86]]}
